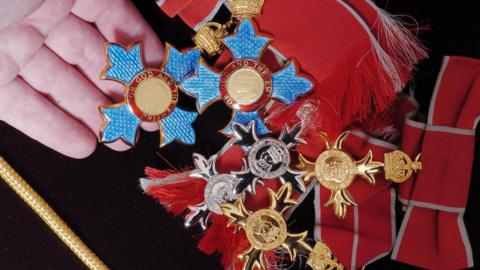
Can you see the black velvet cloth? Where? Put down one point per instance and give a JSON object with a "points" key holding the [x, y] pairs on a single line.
{"points": [[100, 198]]}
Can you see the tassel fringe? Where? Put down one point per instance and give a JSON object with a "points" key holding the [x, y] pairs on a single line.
{"points": [[174, 191]]}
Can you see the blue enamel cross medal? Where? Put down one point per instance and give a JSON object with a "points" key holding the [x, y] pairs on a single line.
{"points": [[246, 85], [151, 95]]}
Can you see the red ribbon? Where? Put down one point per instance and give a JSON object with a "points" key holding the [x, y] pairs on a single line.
{"points": [[433, 233], [173, 7]]}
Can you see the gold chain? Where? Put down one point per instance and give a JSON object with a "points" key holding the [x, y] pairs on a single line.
{"points": [[48, 215]]}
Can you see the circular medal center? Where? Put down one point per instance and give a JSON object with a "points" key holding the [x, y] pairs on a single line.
{"points": [[269, 158], [266, 229], [220, 189], [335, 169], [153, 96], [245, 86]]}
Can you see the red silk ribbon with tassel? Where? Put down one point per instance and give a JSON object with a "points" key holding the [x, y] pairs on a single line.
{"points": [[359, 55]]}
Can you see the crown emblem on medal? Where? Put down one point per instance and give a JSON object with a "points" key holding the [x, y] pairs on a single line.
{"points": [[321, 258], [246, 8], [399, 166], [276, 154], [208, 38]]}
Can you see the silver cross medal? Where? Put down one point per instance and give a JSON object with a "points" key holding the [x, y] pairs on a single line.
{"points": [[220, 189], [267, 158]]}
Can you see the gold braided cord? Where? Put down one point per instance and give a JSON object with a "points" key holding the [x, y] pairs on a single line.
{"points": [[48, 215]]}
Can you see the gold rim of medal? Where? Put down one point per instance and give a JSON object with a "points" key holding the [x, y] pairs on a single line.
{"points": [[335, 169]]}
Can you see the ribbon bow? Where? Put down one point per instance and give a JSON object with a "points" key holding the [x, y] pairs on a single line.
{"points": [[433, 233]]}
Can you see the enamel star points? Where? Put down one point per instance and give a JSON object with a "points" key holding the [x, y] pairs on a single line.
{"points": [[151, 95], [246, 85]]}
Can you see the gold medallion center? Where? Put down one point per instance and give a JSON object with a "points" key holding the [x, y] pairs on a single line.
{"points": [[335, 169], [245, 86], [153, 96], [266, 229]]}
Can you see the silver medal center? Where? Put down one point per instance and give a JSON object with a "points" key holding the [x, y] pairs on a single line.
{"points": [[220, 189], [269, 158]]}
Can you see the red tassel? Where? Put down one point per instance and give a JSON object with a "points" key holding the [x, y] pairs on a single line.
{"points": [[351, 93], [273, 260], [362, 87], [227, 241], [153, 173], [174, 191], [388, 125], [401, 45], [396, 40]]}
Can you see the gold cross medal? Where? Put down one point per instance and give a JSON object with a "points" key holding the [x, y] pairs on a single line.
{"points": [[335, 170], [266, 230], [245, 85], [151, 95]]}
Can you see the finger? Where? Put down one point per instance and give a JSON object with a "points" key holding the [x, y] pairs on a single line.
{"points": [[31, 113], [49, 15], [149, 126], [80, 44], [8, 69], [67, 88], [118, 146], [120, 21], [15, 11], [20, 43]]}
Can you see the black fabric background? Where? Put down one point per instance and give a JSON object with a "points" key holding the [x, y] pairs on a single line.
{"points": [[100, 199]]}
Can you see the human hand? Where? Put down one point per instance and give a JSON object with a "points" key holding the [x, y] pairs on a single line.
{"points": [[50, 63]]}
